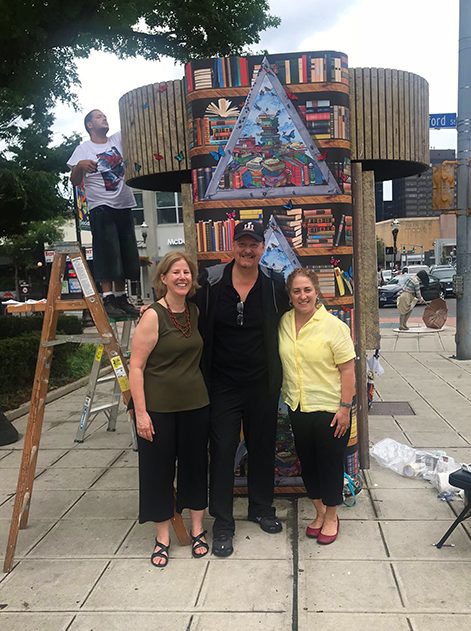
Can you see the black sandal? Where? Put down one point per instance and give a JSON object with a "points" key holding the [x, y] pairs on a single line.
{"points": [[198, 543], [160, 554]]}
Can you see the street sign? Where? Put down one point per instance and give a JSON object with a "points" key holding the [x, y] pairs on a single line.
{"points": [[442, 121]]}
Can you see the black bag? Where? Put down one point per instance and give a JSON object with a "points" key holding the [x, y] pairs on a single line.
{"points": [[461, 479], [8, 432]]}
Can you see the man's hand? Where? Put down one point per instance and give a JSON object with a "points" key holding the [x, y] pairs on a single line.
{"points": [[87, 166], [342, 420], [143, 309]]}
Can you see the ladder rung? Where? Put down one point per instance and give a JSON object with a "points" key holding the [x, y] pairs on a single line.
{"points": [[105, 406], [66, 247], [106, 378], [78, 339]]}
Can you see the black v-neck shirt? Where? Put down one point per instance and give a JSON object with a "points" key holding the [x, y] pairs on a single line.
{"points": [[239, 350]]}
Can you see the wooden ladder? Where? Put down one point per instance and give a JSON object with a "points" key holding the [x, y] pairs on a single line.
{"points": [[51, 308]]}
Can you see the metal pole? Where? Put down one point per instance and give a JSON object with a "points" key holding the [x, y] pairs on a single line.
{"points": [[463, 224]]}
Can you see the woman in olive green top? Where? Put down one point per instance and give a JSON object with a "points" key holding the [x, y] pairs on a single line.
{"points": [[171, 407]]}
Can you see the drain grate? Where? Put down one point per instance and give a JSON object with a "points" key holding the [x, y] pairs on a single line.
{"points": [[391, 408]]}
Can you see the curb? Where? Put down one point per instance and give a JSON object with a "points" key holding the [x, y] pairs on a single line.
{"points": [[53, 395]]}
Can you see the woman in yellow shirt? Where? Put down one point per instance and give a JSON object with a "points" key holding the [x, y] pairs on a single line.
{"points": [[317, 354]]}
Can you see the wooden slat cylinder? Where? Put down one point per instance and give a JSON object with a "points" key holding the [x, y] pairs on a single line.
{"points": [[153, 124], [389, 128], [390, 133]]}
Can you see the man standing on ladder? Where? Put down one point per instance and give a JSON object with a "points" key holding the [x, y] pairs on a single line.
{"points": [[99, 164]]}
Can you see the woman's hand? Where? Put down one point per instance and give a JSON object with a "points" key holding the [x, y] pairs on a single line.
{"points": [[342, 421], [144, 426]]}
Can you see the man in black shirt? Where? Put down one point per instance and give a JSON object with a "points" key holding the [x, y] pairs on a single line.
{"points": [[240, 306]]}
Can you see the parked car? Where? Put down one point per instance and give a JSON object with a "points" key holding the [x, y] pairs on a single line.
{"points": [[413, 269], [388, 294], [442, 266], [445, 274], [386, 275]]}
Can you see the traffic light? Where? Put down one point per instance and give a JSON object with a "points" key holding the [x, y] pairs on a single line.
{"points": [[443, 186]]}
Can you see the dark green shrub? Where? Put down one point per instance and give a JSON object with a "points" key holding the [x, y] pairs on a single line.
{"points": [[12, 326], [18, 358]]}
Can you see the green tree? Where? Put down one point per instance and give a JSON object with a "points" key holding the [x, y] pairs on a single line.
{"points": [[32, 184], [41, 40], [27, 249]]}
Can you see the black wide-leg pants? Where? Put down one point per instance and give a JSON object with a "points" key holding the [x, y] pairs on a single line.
{"points": [[182, 437], [321, 455], [258, 410]]}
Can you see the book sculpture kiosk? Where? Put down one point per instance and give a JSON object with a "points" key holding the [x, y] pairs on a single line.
{"points": [[295, 140]]}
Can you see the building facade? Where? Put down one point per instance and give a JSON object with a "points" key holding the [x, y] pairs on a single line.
{"points": [[412, 196]]}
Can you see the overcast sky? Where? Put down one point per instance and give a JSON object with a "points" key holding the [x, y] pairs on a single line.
{"points": [[419, 36]]}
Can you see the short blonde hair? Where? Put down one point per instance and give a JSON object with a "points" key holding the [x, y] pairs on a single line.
{"points": [[307, 273], [164, 267]]}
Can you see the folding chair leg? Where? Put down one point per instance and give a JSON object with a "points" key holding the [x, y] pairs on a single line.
{"points": [[465, 513]]}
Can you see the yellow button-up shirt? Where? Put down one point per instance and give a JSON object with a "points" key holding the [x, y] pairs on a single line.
{"points": [[311, 378]]}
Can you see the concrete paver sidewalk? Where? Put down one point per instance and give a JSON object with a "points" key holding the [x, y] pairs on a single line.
{"points": [[83, 562]]}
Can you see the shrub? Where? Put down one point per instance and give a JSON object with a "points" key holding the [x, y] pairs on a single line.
{"points": [[18, 356], [12, 326], [79, 362]]}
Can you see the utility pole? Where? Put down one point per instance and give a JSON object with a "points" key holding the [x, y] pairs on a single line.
{"points": [[463, 224]]}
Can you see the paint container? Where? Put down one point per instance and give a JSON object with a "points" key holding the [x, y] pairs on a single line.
{"points": [[414, 470]]}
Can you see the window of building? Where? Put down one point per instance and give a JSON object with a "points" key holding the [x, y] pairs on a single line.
{"points": [[138, 210], [169, 207]]}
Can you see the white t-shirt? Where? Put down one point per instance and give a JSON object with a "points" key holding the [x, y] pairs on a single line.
{"points": [[107, 185]]}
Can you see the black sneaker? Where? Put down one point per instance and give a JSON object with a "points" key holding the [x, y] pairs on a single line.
{"points": [[222, 545], [126, 305], [268, 524], [112, 309]]}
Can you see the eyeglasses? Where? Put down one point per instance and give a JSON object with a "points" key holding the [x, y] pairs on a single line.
{"points": [[240, 313]]}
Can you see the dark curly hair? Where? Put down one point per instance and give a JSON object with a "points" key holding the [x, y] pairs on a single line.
{"points": [[423, 277]]}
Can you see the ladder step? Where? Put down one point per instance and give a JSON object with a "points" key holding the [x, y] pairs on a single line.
{"points": [[77, 339], [106, 378], [105, 406]]}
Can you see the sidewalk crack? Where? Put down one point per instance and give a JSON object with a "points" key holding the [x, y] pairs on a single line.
{"points": [[295, 548], [201, 586]]}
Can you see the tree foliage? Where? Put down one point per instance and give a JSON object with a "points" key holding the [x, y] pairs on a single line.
{"points": [[31, 180], [41, 40], [26, 249]]}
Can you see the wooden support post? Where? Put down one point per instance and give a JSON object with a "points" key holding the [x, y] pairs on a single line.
{"points": [[189, 227], [368, 261], [360, 241]]}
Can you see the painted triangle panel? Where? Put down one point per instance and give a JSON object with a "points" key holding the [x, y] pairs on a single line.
{"points": [[270, 153]]}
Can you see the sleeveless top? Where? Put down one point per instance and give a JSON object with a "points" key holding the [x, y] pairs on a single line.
{"points": [[173, 381]]}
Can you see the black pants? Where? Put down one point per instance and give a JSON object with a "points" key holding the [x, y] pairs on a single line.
{"points": [[115, 253], [258, 411], [181, 436], [321, 455]]}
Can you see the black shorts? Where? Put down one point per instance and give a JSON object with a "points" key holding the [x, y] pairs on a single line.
{"points": [[115, 253]]}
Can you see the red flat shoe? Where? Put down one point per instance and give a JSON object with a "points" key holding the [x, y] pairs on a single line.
{"points": [[312, 533], [326, 539]]}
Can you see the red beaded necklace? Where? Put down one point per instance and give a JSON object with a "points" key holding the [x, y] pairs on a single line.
{"points": [[185, 328]]}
